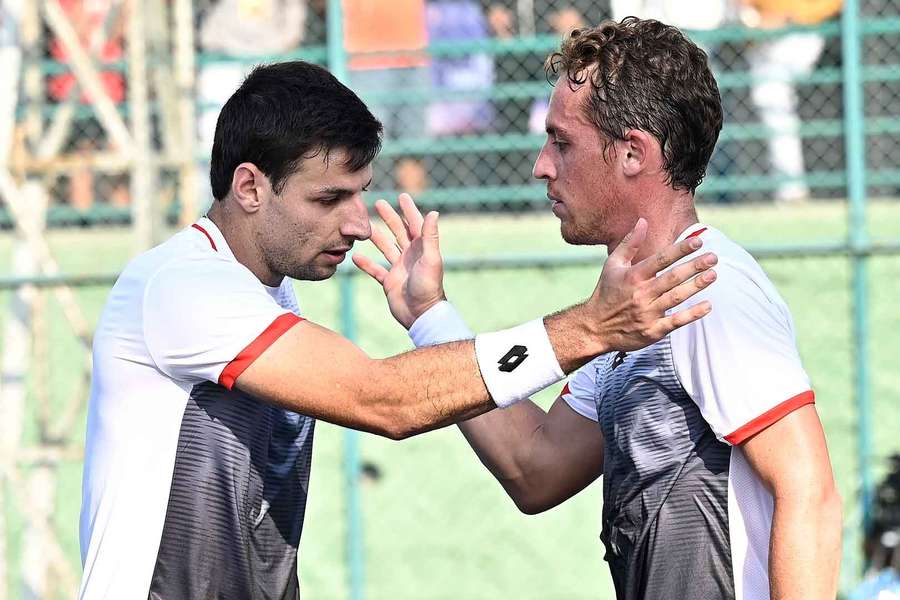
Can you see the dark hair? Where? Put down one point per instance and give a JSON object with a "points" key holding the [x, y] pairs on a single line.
{"points": [[646, 75], [284, 113]]}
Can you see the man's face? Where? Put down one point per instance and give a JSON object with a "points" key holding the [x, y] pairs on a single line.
{"points": [[582, 184], [311, 225]]}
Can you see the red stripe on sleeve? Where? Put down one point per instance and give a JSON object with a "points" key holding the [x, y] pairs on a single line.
{"points": [[206, 233], [770, 417], [246, 356], [696, 233], [565, 391]]}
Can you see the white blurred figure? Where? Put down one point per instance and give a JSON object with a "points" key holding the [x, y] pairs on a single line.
{"points": [[238, 29], [696, 15], [774, 65]]}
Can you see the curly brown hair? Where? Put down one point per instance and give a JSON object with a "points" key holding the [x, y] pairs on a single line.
{"points": [[647, 75]]}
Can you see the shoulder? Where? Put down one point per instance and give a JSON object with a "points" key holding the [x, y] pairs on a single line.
{"points": [[741, 280], [184, 274]]}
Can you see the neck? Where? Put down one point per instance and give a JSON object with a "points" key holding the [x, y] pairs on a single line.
{"points": [[668, 213], [236, 230]]}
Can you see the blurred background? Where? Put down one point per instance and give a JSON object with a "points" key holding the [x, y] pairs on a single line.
{"points": [[107, 110]]}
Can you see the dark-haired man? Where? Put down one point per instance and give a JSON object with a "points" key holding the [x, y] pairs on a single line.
{"points": [[717, 481], [206, 380]]}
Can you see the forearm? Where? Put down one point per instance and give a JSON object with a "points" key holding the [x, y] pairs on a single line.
{"points": [[452, 378], [505, 442], [426, 389], [454, 390], [805, 547]]}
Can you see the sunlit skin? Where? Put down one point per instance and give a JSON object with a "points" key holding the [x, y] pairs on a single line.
{"points": [[598, 196], [303, 232]]}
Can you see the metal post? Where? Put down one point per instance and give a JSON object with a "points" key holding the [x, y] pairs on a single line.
{"points": [[184, 81], [355, 550], [143, 163], [337, 64], [854, 148]]}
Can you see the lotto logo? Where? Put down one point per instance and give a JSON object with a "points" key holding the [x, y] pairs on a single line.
{"points": [[512, 359]]}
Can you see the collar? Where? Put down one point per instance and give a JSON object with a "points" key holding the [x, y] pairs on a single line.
{"points": [[692, 231], [204, 226]]}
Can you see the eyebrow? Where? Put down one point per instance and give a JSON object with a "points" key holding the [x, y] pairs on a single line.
{"points": [[339, 191], [555, 130]]}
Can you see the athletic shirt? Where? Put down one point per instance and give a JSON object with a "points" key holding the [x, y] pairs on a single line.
{"points": [[684, 515], [192, 489]]}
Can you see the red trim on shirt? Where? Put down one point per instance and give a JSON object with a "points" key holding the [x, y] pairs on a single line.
{"points": [[696, 233], [770, 417], [206, 233], [249, 354], [565, 391]]}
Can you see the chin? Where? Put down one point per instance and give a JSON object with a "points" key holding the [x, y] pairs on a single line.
{"points": [[312, 273], [578, 237]]}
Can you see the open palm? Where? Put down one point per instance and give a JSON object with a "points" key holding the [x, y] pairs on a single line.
{"points": [[413, 283]]}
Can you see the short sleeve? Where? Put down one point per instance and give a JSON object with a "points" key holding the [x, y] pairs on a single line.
{"points": [[580, 391], [740, 363], [209, 319]]}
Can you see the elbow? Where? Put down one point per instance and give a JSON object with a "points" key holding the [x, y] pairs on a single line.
{"points": [[817, 500], [527, 500], [396, 424], [392, 429], [833, 507], [398, 431], [830, 505], [530, 507]]}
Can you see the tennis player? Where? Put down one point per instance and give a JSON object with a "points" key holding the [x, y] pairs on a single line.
{"points": [[716, 477]]}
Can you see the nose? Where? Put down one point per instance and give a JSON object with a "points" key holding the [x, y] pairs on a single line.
{"points": [[356, 225], [543, 165]]}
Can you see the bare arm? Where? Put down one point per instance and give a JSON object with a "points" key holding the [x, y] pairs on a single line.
{"points": [[540, 458], [791, 459], [317, 372]]}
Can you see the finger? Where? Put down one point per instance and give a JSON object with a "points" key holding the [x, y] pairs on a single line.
{"points": [[650, 266], [412, 215], [667, 325], [385, 245], [683, 272], [393, 221], [431, 242], [369, 266], [682, 292], [630, 244]]}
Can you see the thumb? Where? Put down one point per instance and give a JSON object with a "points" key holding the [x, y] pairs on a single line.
{"points": [[630, 244], [431, 246]]}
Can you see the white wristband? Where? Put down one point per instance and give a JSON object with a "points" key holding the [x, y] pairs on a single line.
{"points": [[502, 354], [438, 325]]}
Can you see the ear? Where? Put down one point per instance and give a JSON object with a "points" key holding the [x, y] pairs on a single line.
{"points": [[638, 152], [249, 187]]}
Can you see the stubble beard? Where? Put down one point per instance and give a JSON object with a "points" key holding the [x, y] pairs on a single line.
{"points": [[580, 234]]}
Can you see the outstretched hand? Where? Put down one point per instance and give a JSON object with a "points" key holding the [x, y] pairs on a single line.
{"points": [[630, 300], [414, 281]]}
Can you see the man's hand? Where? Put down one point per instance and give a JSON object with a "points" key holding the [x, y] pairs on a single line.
{"points": [[415, 281], [627, 310]]}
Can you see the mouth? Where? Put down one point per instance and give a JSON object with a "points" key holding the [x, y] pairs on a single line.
{"points": [[556, 205], [337, 255]]}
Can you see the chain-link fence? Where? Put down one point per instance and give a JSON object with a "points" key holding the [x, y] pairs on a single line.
{"points": [[121, 136]]}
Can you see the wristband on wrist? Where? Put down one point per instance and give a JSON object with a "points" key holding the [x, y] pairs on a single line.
{"points": [[438, 325], [515, 363]]}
